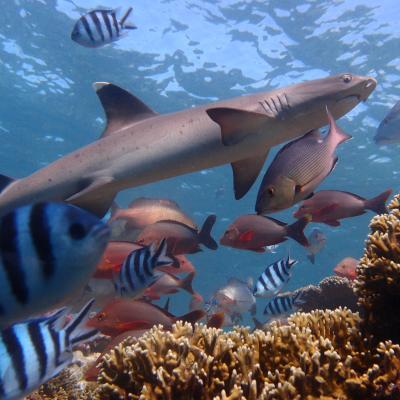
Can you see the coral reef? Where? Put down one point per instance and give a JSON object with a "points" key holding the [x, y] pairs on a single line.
{"points": [[317, 355], [332, 292], [378, 276]]}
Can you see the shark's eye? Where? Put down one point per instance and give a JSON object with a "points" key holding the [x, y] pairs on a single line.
{"points": [[347, 78]]}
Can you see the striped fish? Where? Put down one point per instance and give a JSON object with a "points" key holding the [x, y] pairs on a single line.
{"points": [[48, 251], [34, 351], [100, 27], [283, 304], [139, 269], [274, 278]]}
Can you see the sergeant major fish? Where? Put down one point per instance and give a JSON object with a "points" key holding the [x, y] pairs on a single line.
{"points": [[34, 351], [283, 304], [48, 251], [298, 169], [138, 270], [274, 278], [100, 27]]}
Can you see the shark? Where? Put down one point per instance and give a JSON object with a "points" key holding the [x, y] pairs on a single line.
{"points": [[140, 146]]}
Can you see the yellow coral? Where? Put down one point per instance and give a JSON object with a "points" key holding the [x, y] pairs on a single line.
{"points": [[317, 355], [378, 275]]}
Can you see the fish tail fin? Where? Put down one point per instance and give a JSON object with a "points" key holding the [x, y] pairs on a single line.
{"points": [[205, 233], [186, 283], [295, 231], [377, 204], [298, 298], [76, 331], [5, 181], [160, 255], [311, 257], [192, 317], [337, 133], [216, 320], [124, 20]]}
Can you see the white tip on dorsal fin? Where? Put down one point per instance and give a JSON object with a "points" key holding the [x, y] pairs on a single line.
{"points": [[122, 108]]}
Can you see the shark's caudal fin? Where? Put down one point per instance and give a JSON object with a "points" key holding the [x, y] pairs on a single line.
{"points": [[121, 107], [236, 126]]}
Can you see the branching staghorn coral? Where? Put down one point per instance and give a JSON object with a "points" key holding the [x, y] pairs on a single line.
{"points": [[378, 275], [317, 355]]}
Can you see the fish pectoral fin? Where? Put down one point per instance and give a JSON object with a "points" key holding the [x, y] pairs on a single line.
{"points": [[95, 197], [245, 172], [121, 107], [236, 125]]}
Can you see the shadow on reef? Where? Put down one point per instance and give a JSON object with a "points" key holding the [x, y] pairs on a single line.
{"points": [[323, 354]]}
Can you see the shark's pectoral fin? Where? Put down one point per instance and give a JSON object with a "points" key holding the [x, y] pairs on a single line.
{"points": [[245, 172], [121, 107], [236, 125], [97, 197]]}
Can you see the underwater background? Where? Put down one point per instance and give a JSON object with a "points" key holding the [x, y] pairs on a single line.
{"points": [[186, 53]]}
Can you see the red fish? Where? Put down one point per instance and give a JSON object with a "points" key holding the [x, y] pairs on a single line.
{"points": [[181, 238], [255, 232], [329, 206], [127, 223], [168, 284], [121, 315], [347, 268], [113, 257]]}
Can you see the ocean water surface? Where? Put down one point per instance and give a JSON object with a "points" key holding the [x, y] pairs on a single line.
{"points": [[191, 52]]}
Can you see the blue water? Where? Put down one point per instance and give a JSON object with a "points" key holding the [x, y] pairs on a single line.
{"points": [[186, 53]]}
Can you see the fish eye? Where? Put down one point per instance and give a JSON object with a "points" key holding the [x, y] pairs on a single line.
{"points": [[347, 78], [77, 231], [100, 316], [271, 190]]}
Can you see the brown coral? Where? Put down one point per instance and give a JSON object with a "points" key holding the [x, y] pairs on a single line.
{"points": [[378, 275], [317, 355], [330, 293]]}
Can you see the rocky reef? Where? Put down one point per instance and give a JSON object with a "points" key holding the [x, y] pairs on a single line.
{"points": [[378, 276]]}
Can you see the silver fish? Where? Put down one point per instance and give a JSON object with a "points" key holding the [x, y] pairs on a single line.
{"points": [[389, 129], [298, 169], [100, 27], [317, 241]]}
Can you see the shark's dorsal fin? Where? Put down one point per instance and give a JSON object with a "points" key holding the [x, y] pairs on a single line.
{"points": [[236, 125], [245, 172], [121, 107]]}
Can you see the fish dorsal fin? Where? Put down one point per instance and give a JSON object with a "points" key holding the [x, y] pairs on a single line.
{"points": [[315, 134], [171, 221], [280, 223], [236, 125], [121, 107], [145, 201], [245, 172]]}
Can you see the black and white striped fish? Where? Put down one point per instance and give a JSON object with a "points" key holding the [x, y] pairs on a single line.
{"points": [[274, 278], [33, 351], [139, 269], [283, 304], [100, 27], [48, 251]]}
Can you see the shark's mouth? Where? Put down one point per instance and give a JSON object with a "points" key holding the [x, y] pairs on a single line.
{"points": [[349, 101]]}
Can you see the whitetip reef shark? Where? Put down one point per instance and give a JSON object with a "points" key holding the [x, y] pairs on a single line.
{"points": [[140, 146]]}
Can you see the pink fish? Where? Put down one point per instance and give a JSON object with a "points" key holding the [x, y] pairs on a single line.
{"points": [[347, 268], [121, 315], [169, 284], [181, 238], [255, 232], [329, 206]]}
